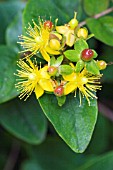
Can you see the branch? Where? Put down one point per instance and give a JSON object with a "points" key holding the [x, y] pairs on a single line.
{"points": [[13, 156], [106, 111], [107, 11]]}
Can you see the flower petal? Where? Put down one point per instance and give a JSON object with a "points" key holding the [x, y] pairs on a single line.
{"points": [[70, 87], [43, 73], [62, 29], [71, 77], [45, 55], [70, 38], [51, 51], [38, 91], [46, 85]]}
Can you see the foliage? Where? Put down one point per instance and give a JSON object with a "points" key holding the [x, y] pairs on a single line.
{"points": [[26, 124]]}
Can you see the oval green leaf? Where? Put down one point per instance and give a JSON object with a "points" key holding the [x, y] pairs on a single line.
{"points": [[104, 162], [79, 66], [74, 123], [63, 10], [53, 149], [72, 55], [92, 67], [65, 69], [8, 11], [14, 30], [24, 120], [93, 7], [102, 28], [8, 59]]}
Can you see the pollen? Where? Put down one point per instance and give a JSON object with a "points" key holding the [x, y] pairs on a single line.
{"points": [[85, 82], [30, 79], [37, 40]]}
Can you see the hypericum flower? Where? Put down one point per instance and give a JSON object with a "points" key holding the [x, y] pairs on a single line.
{"points": [[68, 33], [85, 82], [31, 79], [68, 30], [37, 41]]}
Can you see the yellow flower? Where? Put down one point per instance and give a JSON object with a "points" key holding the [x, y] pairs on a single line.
{"points": [[85, 82], [32, 79], [37, 40], [68, 33]]}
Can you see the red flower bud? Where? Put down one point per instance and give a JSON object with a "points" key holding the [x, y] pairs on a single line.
{"points": [[59, 91]]}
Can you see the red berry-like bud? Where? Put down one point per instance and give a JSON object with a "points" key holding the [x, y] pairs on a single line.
{"points": [[59, 91], [87, 55], [52, 71], [48, 24]]}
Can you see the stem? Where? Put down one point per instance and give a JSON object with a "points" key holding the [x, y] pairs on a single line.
{"points": [[106, 111], [13, 156], [110, 63], [107, 11]]}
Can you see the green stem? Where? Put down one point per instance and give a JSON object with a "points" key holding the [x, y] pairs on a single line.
{"points": [[109, 10]]}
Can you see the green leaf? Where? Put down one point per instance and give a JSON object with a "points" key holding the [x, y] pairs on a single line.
{"points": [[102, 29], [93, 7], [56, 9], [8, 59], [24, 120], [69, 7], [74, 123], [54, 150], [100, 133], [34, 9], [94, 54], [52, 61], [79, 66], [8, 10], [58, 61], [104, 162], [80, 45], [14, 30], [61, 100], [65, 69], [92, 67], [72, 55]]}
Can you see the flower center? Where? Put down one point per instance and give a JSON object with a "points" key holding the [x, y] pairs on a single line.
{"points": [[38, 39], [32, 76], [83, 80]]}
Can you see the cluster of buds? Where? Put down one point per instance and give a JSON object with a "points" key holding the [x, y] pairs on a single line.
{"points": [[70, 65]]}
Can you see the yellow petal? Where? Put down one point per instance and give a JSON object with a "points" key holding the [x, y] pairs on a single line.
{"points": [[46, 85], [62, 29], [70, 39], [45, 55], [71, 77], [43, 73], [38, 91], [51, 51], [70, 87]]}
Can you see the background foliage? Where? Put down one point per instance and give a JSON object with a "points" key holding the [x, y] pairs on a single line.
{"points": [[28, 140]]}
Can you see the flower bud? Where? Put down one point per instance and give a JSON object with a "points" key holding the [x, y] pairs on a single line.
{"points": [[48, 24], [87, 55], [82, 33], [59, 91], [101, 64], [73, 23], [52, 71], [55, 35], [54, 44]]}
